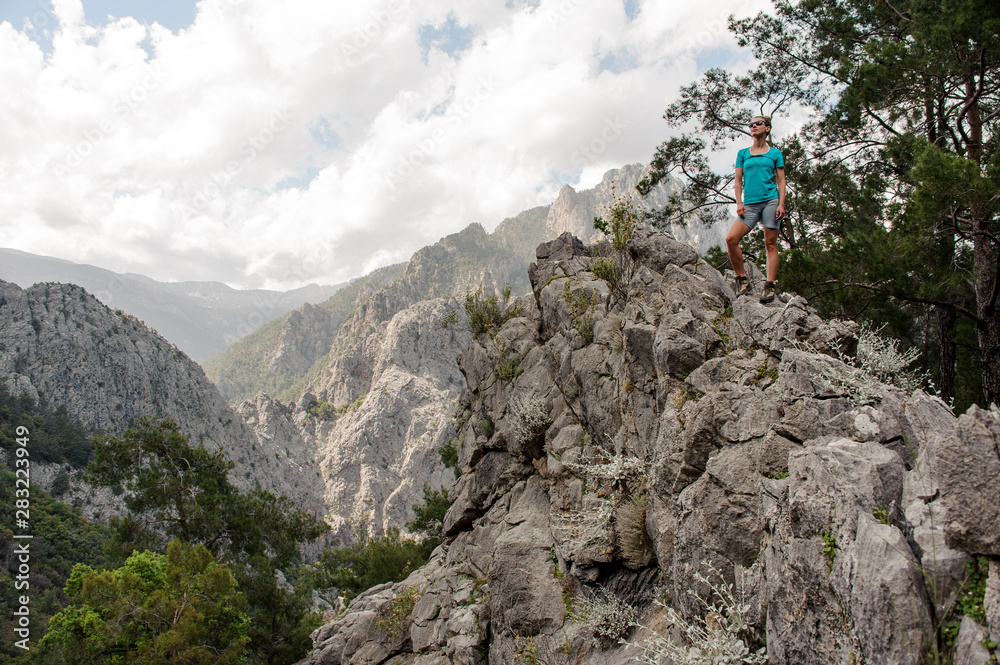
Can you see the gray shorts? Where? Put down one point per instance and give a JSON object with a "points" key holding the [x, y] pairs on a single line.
{"points": [[763, 212]]}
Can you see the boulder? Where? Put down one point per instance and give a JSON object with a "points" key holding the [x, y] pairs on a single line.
{"points": [[969, 649], [966, 467], [991, 602], [658, 250], [839, 582]]}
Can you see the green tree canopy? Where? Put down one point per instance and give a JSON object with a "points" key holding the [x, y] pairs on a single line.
{"points": [[178, 608], [893, 184], [351, 570], [183, 491]]}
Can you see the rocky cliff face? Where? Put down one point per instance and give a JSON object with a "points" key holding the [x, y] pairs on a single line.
{"points": [[282, 351], [108, 368], [678, 436], [397, 389], [277, 358], [390, 383]]}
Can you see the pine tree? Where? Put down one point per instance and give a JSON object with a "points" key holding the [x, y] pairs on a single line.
{"points": [[893, 185]]}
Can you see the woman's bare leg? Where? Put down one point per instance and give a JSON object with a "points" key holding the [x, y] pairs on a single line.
{"points": [[733, 238], [771, 245]]}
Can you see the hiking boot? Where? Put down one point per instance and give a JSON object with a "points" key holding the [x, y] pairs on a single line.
{"points": [[768, 294], [742, 285]]}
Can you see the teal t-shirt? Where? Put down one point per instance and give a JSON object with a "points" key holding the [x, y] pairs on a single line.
{"points": [[758, 174]]}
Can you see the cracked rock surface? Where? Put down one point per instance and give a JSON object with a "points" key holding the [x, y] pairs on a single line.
{"points": [[686, 431]]}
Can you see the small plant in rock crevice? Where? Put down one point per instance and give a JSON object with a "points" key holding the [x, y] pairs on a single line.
{"points": [[607, 617], [449, 456], [527, 651], [508, 364], [528, 418], [723, 637], [630, 520], [968, 601], [615, 265], [486, 314], [829, 549], [394, 617], [720, 323], [881, 514], [582, 310], [615, 336]]}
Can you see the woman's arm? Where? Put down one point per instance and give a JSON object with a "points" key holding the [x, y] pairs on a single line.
{"points": [[740, 210], [779, 180]]}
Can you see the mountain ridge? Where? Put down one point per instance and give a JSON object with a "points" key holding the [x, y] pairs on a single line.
{"points": [[241, 372], [202, 318], [108, 368]]}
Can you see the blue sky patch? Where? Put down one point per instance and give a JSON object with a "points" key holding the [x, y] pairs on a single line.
{"points": [[300, 180], [718, 57], [449, 37], [617, 62], [631, 9], [37, 19], [324, 134]]}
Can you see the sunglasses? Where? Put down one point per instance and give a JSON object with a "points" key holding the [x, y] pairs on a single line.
{"points": [[756, 122]]}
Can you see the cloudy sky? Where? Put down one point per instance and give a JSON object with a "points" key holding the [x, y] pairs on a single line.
{"points": [[272, 144]]}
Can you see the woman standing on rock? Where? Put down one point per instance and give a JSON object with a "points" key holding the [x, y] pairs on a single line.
{"points": [[760, 173]]}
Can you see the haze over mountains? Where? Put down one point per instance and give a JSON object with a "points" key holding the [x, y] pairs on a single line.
{"points": [[201, 318]]}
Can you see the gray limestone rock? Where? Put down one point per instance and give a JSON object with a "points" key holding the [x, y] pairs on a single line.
{"points": [[738, 368], [813, 504], [781, 325], [838, 581], [566, 246], [966, 468], [991, 602], [831, 485], [969, 649], [379, 446], [658, 251], [943, 567], [676, 353]]}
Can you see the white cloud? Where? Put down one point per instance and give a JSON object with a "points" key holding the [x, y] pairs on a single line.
{"points": [[172, 163]]}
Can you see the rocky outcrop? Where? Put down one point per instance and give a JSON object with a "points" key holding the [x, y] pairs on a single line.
{"points": [[971, 511], [645, 443], [304, 339], [108, 368]]}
